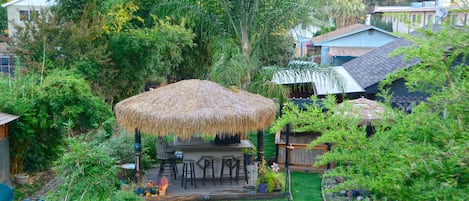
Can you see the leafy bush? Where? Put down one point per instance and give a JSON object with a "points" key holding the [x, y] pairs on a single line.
{"points": [[17, 97], [121, 147], [61, 104], [122, 195], [86, 172]]}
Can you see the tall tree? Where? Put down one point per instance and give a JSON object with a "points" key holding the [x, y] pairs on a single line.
{"points": [[242, 36], [346, 12]]}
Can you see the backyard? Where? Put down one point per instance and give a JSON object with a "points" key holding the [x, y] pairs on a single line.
{"points": [[304, 186]]}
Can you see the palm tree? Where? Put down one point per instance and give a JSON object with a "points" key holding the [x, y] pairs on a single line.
{"points": [[346, 12], [239, 34]]}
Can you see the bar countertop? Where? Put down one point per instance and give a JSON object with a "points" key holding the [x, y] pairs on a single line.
{"points": [[211, 146]]}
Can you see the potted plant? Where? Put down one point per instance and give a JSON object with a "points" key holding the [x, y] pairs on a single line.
{"points": [[249, 154], [163, 185], [270, 179], [262, 178]]}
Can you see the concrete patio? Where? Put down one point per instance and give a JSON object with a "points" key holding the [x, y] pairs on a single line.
{"points": [[226, 191]]}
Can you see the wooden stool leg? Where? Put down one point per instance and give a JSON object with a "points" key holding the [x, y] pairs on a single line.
{"points": [[245, 172], [193, 175], [237, 170], [184, 167], [231, 170], [221, 171], [213, 172], [205, 169]]}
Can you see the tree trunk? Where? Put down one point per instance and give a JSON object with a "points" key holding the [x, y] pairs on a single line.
{"points": [[246, 51]]}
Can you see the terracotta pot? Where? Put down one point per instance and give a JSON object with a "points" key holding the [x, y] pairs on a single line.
{"points": [[21, 178]]}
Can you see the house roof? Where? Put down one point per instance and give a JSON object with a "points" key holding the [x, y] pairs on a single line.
{"points": [[6, 118], [323, 86], [398, 9], [30, 3], [343, 32], [374, 66]]}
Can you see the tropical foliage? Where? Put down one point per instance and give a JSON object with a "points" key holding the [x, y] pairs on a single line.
{"points": [[85, 171], [49, 111], [417, 156], [346, 12]]}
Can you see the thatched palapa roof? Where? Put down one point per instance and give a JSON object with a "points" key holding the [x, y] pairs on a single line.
{"points": [[367, 110], [195, 106]]}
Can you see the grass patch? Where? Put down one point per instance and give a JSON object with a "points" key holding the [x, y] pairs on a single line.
{"points": [[305, 186]]}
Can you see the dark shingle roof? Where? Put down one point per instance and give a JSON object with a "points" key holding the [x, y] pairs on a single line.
{"points": [[374, 66]]}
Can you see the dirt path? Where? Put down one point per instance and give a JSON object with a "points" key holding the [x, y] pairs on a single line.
{"points": [[52, 183]]}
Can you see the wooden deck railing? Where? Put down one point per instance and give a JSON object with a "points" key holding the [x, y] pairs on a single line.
{"points": [[301, 157]]}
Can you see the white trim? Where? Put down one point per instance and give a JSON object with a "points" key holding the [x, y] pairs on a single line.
{"points": [[30, 3]]}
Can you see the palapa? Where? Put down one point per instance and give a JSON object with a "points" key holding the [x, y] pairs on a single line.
{"points": [[195, 106], [367, 110]]}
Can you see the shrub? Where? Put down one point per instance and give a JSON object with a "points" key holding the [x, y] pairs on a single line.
{"points": [[86, 172], [121, 147]]}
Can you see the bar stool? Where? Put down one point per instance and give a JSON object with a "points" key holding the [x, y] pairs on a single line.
{"points": [[227, 162], [188, 169], [208, 164], [165, 155], [168, 166], [241, 164]]}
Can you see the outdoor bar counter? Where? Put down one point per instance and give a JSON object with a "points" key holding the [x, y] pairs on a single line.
{"points": [[197, 151]]}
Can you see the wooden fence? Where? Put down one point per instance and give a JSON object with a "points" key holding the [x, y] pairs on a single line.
{"points": [[301, 157]]}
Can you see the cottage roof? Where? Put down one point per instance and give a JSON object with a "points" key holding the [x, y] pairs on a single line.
{"points": [[323, 85], [374, 66], [343, 32], [6, 118]]}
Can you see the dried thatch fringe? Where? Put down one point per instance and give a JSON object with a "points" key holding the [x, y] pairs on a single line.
{"points": [[195, 106]]}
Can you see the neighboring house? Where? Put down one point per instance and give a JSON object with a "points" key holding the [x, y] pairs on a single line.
{"points": [[345, 44], [21, 11], [406, 19], [369, 69], [302, 36]]}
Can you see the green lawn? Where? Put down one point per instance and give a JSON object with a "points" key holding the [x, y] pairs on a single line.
{"points": [[304, 186]]}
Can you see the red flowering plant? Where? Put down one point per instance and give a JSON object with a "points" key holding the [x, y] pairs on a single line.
{"points": [[163, 183]]}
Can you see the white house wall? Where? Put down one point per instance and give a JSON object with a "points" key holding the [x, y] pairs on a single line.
{"points": [[13, 11]]}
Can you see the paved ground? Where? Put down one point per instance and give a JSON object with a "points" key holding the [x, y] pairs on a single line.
{"points": [[209, 191]]}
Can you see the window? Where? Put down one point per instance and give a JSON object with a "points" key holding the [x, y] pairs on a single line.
{"points": [[430, 19], [28, 15], [414, 18], [24, 15]]}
